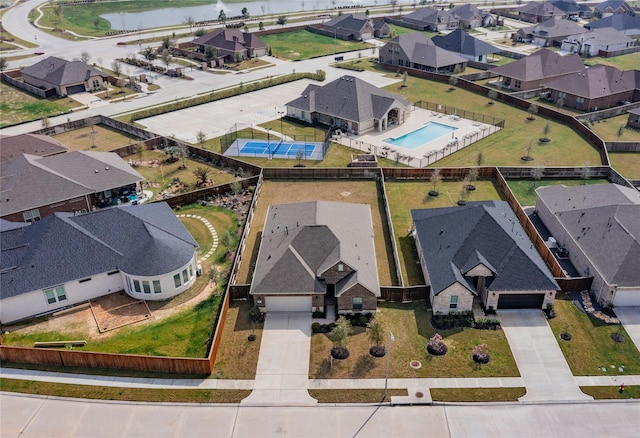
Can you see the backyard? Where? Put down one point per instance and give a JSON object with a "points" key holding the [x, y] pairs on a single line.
{"points": [[405, 196], [302, 44], [609, 129], [627, 163], [102, 137], [525, 193], [411, 327], [17, 106]]}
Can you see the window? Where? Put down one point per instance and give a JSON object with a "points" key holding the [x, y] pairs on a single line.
{"points": [[518, 84], [340, 267], [136, 286], [147, 288], [580, 100], [453, 302], [55, 295], [190, 271], [176, 280], [31, 215], [185, 276], [357, 303], [129, 283], [156, 287], [96, 84]]}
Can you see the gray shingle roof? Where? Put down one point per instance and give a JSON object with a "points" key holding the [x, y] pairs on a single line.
{"points": [[454, 240], [461, 42], [30, 182], [597, 81], [230, 39], [542, 64], [605, 35], [555, 27], [604, 221], [300, 241], [32, 144], [347, 23], [541, 9], [429, 16], [612, 5], [422, 50], [61, 72], [618, 21], [145, 240], [348, 98], [570, 6]]}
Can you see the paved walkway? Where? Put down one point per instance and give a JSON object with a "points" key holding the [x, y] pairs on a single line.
{"points": [[212, 230], [283, 364], [542, 365], [630, 318]]}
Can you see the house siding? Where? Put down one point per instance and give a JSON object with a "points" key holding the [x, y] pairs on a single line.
{"points": [[571, 100], [345, 301], [167, 283], [633, 121], [440, 302], [79, 204]]}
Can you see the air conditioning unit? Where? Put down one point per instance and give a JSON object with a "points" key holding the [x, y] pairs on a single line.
{"points": [[199, 270]]}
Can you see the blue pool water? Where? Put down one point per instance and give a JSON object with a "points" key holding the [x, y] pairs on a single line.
{"points": [[283, 149], [414, 139]]}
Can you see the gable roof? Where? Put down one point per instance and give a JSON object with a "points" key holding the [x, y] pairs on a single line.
{"points": [[61, 72], [553, 28], [300, 241], [603, 36], [540, 65], [603, 220], [460, 41], [32, 144], [540, 9], [421, 49], [230, 39], [620, 22], [144, 240], [570, 6], [597, 81], [348, 23], [467, 11], [613, 5], [29, 181], [429, 16], [348, 98], [455, 239]]}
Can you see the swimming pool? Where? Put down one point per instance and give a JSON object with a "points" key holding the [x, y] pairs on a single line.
{"points": [[428, 132]]}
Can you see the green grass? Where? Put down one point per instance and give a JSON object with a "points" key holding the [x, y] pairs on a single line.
{"points": [[105, 139], [354, 395], [405, 196], [477, 394], [524, 189], [17, 106], [624, 62], [607, 129], [10, 42], [627, 163], [591, 347], [124, 394], [396, 30], [302, 44], [411, 326], [611, 392]]}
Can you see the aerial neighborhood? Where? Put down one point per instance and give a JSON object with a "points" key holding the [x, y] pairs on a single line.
{"points": [[300, 202]]}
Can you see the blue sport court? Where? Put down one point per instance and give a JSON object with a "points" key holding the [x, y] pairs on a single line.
{"points": [[275, 149]]}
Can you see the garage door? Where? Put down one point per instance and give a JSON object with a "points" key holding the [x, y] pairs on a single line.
{"points": [[76, 89], [520, 301], [627, 298], [289, 304]]}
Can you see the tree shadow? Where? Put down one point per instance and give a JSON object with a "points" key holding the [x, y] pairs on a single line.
{"points": [[324, 369], [363, 366]]}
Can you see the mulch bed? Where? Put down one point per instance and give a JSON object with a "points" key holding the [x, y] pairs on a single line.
{"points": [[117, 310]]}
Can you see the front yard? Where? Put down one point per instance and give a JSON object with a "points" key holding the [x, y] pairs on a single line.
{"points": [[411, 327], [17, 106]]}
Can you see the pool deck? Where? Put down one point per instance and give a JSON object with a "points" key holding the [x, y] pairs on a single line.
{"points": [[468, 132]]}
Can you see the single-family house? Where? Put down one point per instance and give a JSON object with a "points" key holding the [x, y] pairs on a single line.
{"points": [[354, 27], [627, 24], [66, 77], [531, 71], [34, 187], [465, 45], [594, 41], [538, 12], [433, 20], [480, 250], [594, 88], [316, 256], [32, 144], [66, 259], [417, 51], [571, 8], [612, 7], [231, 45], [634, 118], [351, 104], [599, 227], [549, 33], [470, 16]]}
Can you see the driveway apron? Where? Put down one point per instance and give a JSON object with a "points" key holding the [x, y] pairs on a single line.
{"points": [[542, 365], [283, 365], [630, 319]]}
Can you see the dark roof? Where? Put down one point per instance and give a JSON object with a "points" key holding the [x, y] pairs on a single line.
{"points": [[453, 240], [618, 22], [144, 240], [604, 221], [570, 6], [612, 5], [29, 181], [348, 98], [635, 111], [603, 36], [230, 39], [301, 241], [32, 144], [597, 81], [540, 9], [540, 65], [461, 42], [420, 49], [347, 23], [61, 72], [555, 27], [429, 16], [467, 11]]}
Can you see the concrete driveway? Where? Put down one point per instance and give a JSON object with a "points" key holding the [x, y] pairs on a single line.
{"points": [[630, 319], [283, 365], [542, 365]]}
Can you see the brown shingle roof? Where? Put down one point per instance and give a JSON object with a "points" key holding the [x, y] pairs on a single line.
{"points": [[540, 65]]}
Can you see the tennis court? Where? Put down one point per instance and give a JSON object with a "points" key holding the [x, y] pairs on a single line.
{"points": [[276, 149]]}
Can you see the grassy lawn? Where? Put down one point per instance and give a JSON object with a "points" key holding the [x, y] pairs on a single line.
{"points": [[477, 394], [115, 93], [237, 358], [627, 163], [411, 326], [607, 129], [592, 348], [280, 192], [506, 147], [124, 394], [524, 190], [404, 196], [302, 44], [624, 62], [611, 392], [11, 42], [105, 138], [354, 395], [17, 106], [396, 30]]}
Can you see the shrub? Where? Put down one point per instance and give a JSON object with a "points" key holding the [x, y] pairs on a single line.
{"points": [[487, 324], [318, 315], [436, 346], [316, 327], [452, 320]]}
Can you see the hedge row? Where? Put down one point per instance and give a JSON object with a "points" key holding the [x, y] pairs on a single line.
{"points": [[319, 75]]}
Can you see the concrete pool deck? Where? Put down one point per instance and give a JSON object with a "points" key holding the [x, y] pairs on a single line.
{"points": [[468, 132]]}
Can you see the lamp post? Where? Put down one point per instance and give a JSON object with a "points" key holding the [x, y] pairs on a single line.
{"points": [[281, 114], [386, 376]]}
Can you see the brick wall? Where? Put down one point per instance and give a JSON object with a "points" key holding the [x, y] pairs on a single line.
{"points": [[441, 301], [333, 274], [369, 300]]}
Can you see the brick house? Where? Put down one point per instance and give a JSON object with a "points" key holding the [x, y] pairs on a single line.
{"points": [[316, 256], [634, 118], [418, 52], [231, 45], [608, 8], [354, 27], [66, 77]]}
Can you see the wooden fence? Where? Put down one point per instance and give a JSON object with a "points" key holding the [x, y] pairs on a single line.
{"points": [[394, 247], [10, 78], [574, 284], [239, 291], [622, 146], [404, 294]]}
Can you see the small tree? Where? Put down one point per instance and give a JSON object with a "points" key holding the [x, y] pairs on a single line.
{"points": [[189, 21], [166, 58], [245, 13], [585, 172], [116, 67], [464, 191], [545, 132], [167, 43], [538, 172], [85, 56], [222, 16], [201, 137], [620, 132], [282, 20], [560, 103], [227, 240], [45, 122], [150, 55], [473, 176], [261, 25], [453, 81], [96, 22], [435, 180], [528, 148], [300, 156], [200, 31], [202, 174], [340, 338], [493, 94], [375, 333], [479, 159], [436, 346], [405, 76], [183, 152], [481, 353], [533, 110]]}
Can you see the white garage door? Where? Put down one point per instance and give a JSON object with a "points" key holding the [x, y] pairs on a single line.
{"points": [[629, 297], [289, 304]]}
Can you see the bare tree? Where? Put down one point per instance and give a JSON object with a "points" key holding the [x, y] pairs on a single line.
{"points": [[201, 137], [96, 23], [189, 21], [282, 20], [545, 132], [166, 58], [533, 110], [620, 132], [453, 81], [479, 159], [435, 181], [493, 94], [183, 152], [85, 56], [116, 67], [537, 174]]}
